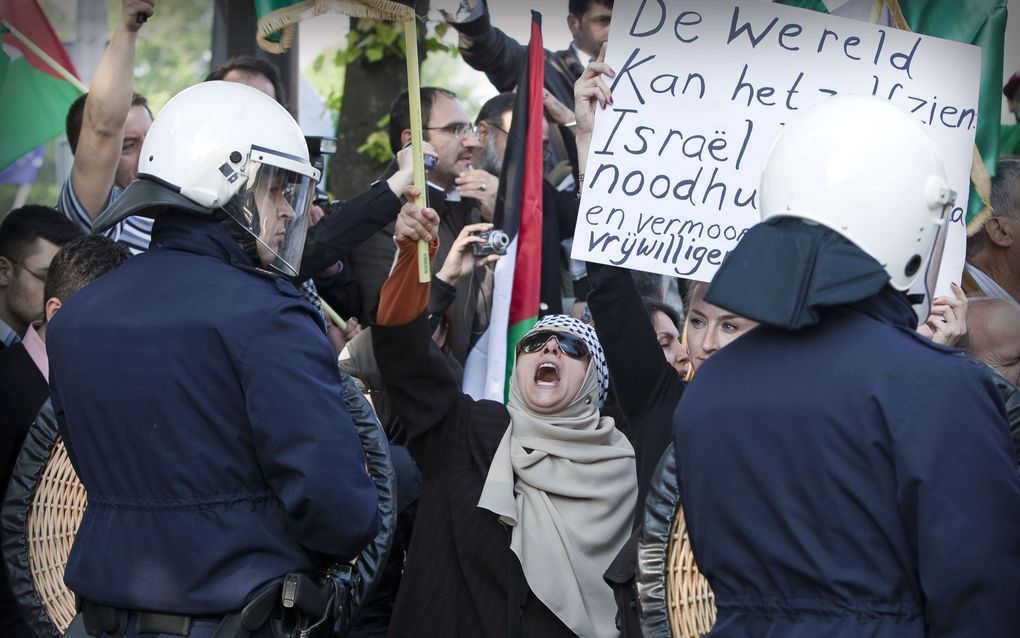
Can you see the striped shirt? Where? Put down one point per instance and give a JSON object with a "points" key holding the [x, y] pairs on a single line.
{"points": [[134, 232]]}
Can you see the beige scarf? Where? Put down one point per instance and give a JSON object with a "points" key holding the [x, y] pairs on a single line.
{"points": [[571, 505]]}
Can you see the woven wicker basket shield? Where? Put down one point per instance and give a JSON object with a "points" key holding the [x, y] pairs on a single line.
{"points": [[44, 506], [674, 598], [46, 501]]}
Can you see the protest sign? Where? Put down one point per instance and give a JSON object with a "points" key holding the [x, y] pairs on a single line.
{"points": [[703, 87]]}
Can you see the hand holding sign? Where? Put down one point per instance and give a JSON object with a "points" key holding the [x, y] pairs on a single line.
{"points": [[589, 90], [700, 90]]}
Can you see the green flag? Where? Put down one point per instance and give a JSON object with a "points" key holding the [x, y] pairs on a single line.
{"points": [[37, 84], [978, 22]]}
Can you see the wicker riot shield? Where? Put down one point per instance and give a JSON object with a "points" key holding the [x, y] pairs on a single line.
{"points": [[45, 503], [674, 598]]}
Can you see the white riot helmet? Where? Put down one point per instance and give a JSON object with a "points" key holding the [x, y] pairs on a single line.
{"points": [[862, 167], [226, 146]]}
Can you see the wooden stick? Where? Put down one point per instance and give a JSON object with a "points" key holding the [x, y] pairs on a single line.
{"points": [[45, 57], [414, 100], [332, 314]]}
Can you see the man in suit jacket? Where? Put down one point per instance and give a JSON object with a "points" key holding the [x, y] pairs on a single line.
{"points": [[24, 370], [450, 131]]}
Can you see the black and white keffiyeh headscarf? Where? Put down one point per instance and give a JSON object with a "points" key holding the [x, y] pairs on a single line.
{"points": [[586, 332], [566, 485]]}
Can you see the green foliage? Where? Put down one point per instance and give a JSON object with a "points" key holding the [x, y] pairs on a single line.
{"points": [[377, 144], [173, 48], [328, 79], [373, 41]]}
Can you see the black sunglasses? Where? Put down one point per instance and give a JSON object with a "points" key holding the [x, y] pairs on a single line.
{"points": [[570, 344]]}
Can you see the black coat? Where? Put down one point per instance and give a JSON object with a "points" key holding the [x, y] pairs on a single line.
{"points": [[647, 388], [491, 51], [23, 390], [459, 563], [343, 229]]}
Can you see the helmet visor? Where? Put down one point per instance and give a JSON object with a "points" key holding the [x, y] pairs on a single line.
{"points": [[272, 206]]}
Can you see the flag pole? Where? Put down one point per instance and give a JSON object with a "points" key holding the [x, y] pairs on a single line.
{"points": [[414, 102], [7, 27], [333, 315]]}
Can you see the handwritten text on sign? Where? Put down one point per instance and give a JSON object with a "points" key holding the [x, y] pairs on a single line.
{"points": [[703, 87]]}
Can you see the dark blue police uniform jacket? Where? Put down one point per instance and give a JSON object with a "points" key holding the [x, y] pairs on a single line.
{"points": [[201, 407], [851, 479]]}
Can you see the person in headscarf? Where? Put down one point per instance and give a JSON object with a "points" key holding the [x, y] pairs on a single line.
{"points": [[523, 505]]}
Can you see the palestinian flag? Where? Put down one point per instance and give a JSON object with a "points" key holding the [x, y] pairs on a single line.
{"points": [[978, 22], [37, 81], [519, 214]]}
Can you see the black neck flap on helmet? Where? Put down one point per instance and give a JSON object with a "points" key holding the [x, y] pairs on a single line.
{"points": [[785, 269], [147, 196]]}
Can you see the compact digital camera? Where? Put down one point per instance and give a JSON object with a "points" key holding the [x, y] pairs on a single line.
{"points": [[495, 242]]}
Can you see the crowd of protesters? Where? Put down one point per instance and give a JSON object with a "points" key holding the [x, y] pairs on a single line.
{"points": [[848, 467]]}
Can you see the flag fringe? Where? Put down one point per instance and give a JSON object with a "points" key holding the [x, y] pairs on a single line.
{"points": [[283, 20]]}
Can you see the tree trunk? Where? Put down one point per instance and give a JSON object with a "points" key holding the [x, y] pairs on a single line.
{"points": [[369, 89]]}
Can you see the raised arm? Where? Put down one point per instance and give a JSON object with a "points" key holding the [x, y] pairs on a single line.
{"points": [[357, 219], [643, 379], [590, 94], [102, 141], [418, 379], [487, 49]]}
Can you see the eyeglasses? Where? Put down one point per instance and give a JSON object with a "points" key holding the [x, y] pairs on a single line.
{"points": [[497, 127], [21, 265], [570, 344], [457, 129]]}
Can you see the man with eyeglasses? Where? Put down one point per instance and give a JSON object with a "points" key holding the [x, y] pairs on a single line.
{"points": [[451, 133], [29, 238], [559, 208]]}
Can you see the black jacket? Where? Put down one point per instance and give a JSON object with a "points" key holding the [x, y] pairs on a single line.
{"points": [[469, 314], [459, 566], [343, 229], [487, 49], [647, 388], [23, 390]]}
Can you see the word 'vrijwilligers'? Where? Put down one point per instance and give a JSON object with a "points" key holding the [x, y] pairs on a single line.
{"points": [[668, 240]]}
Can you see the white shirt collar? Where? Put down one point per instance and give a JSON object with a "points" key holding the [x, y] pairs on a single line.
{"points": [[582, 57]]}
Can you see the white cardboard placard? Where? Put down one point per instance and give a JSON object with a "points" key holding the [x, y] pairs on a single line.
{"points": [[703, 87]]}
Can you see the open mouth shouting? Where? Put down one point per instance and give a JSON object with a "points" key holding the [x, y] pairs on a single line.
{"points": [[547, 375]]}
